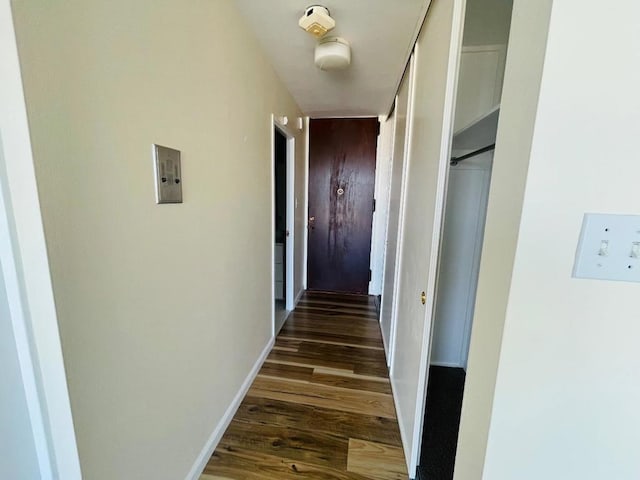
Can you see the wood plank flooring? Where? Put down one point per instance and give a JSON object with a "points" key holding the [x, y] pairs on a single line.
{"points": [[321, 406]]}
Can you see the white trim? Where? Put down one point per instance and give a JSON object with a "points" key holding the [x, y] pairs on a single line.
{"points": [[396, 402], [218, 431], [290, 222], [26, 270], [387, 357], [403, 190], [446, 142], [298, 297], [384, 161], [291, 216], [19, 320], [383, 299], [272, 236], [305, 253]]}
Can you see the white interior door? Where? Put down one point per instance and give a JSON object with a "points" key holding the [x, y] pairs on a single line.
{"points": [[436, 63]]}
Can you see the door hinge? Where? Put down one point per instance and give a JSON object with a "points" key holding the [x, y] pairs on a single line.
{"points": [[370, 274], [374, 204]]}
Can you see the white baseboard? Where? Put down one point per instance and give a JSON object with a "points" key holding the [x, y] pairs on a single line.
{"points": [[403, 434], [216, 436], [298, 297]]}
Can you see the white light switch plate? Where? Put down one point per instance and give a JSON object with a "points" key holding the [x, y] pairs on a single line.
{"points": [[609, 248]]}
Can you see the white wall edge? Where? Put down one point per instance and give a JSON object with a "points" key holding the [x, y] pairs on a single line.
{"points": [[380, 221], [290, 193], [272, 189], [305, 253], [386, 341], [396, 404], [291, 223], [374, 288], [29, 288], [218, 432], [19, 323]]}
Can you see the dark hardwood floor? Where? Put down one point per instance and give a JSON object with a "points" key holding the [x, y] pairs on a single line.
{"points": [[321, 406]]}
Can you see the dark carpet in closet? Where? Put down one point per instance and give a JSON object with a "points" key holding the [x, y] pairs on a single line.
{"points": [[442, 420]]}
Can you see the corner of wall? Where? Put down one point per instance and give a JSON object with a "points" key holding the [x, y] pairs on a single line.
{"points": [[523, 76]]}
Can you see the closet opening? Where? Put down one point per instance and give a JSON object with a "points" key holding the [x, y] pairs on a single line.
{"points": [[476, 121]]}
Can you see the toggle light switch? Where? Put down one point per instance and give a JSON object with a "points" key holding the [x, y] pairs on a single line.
{"points": [[168, 174], [604, 248], [609, 248]]}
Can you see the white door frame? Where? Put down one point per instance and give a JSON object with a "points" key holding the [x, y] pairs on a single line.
{"points": [[25, 269], [305, 253], [384, 163], [280, 123], [9, 270]]}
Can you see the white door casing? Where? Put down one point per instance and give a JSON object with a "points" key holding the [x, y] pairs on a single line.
{"points": [[384, 157], [289, 250]]}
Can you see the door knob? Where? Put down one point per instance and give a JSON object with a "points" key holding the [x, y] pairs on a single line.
{"points": [[423, 298], [312, 222]]}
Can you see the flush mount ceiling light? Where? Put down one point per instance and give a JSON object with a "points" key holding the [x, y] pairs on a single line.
{"points": [[333, 53], [317, 21]]}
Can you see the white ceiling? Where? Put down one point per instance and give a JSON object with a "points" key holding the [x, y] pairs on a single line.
{"points": [[381, 33]]}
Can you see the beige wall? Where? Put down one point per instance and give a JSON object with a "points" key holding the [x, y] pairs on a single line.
{"points": [[163, 310], [517, 118], [567, 394]]}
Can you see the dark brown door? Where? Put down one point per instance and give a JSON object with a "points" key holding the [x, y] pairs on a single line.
{"points": [[342, 163]]}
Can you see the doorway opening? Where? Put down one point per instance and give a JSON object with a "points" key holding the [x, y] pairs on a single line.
{"points": [[475, 127], [342, 169], [283, 148]]}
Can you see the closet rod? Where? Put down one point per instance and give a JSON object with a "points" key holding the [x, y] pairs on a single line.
{"points": [[456, 160]]}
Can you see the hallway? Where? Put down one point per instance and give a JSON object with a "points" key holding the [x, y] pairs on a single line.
{"points": [[321, 406]]}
